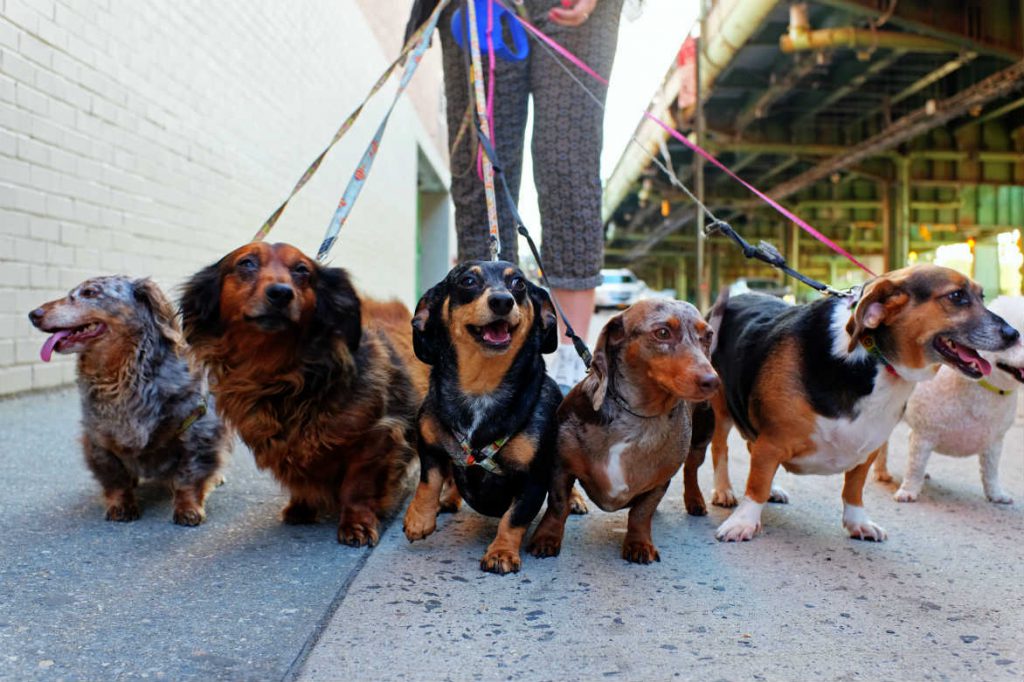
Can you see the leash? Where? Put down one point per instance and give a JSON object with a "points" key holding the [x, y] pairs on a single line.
{"points": [[358, 179], [476, 74], [409, 46], [551, 45]]}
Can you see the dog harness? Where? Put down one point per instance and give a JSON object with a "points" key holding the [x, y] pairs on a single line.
{"points": [[481, 457], [872, 348], [989, 387], [192, 417]]}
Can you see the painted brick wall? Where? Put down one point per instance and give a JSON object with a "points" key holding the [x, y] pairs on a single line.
{"points": [[149, 138]]}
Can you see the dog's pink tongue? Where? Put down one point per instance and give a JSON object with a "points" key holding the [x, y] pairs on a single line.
{"points": [[496, 333], [47, 350], [970, 356]]}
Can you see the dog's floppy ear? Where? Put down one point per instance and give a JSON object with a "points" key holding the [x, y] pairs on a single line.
{"points": [[160, 309], [596, 382], [545, 311], [200, 304], [426, 323], [338, 311], [880, 300]]}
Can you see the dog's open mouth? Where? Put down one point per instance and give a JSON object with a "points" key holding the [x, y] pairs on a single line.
{"points": [[72, 336], [1015, 372], [962, 357], [497, 334]]}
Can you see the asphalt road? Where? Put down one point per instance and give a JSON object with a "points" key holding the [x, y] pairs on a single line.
{"points": [[243, 597]]}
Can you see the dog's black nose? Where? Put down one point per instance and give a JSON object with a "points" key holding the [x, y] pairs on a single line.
{"points": [[501, 304], [279, 295], [36, 315], [1009, 333], [709, 382]]}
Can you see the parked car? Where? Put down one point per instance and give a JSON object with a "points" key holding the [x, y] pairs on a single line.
{"points": [[619, 288]]}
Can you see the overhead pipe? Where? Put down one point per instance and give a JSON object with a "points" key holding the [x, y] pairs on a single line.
{"points": [[800, 37]]}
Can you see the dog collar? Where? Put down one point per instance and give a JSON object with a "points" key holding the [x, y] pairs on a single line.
{"points": [[481, 457], [989, 387], [621, 402], [872, 348], [192, 417]]}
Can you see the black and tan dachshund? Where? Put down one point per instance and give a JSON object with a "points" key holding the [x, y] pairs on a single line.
{"points": [[489, 417]]}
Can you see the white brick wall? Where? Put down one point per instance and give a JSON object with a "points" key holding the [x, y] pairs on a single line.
{"points": [[149, 138]]}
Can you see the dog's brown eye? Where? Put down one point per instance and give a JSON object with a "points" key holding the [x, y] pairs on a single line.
{"points": [[89, 292], [959, 298], [662, 333], [468, 281], [247, 264], [517, 284], [300, 271]]}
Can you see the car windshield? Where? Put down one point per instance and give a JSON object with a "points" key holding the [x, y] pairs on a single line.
{"points": [[618, 279]]}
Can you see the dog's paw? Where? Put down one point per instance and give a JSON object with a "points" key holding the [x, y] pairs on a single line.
{"points": [[904, 495], [695, 505], [639, 552], [501, 561], [189, 516], [298, 513], [450, 500], [357, 534], [122, 513], [219, 480], [418, 526], [778, 496], [723, 498], [545, 545], [577, 505], [860, 527], [999, 496], [737, 531]]}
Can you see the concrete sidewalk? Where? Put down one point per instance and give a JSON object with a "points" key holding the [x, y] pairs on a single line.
{"points": [[243, 597]]}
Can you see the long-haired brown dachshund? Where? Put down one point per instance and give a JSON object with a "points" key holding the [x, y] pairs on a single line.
{"points": [[322, 386]]}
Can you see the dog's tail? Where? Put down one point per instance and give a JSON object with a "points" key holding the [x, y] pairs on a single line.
{"points": [[715, 315]]}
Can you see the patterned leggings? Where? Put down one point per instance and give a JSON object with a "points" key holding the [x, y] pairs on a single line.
{"points": [[566, 148]]}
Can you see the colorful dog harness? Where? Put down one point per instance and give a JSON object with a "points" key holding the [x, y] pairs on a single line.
{"points": [[481, 457]]}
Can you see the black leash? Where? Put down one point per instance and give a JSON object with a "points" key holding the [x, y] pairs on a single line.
{"points": [[767, 253]]}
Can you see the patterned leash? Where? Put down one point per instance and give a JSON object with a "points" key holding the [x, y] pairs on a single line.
{"points": [[476, 74], [415, 40]]}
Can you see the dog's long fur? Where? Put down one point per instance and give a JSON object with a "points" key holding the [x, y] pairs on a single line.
{"points": [[137, 394], [624, 430], [808, 395], [486, 391], [322, 386]]}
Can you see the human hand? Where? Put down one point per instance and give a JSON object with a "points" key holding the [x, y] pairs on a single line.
{"points": [[572, 12]]}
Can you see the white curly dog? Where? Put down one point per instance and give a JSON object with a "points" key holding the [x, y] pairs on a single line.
{"points": [[954, 415]]}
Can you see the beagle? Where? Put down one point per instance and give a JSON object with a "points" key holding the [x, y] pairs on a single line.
{"points": [[817, 389]]}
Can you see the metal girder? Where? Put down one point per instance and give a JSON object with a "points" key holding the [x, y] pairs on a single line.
{"points": [[916, 123], [779, 88], [900, 19], [919, 85], [853, 84]]}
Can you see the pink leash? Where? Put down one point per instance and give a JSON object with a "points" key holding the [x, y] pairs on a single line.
{"points": [[576, 61]]}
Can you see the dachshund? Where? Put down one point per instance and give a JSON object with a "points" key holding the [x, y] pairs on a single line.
{"points": [[625, 430], [818, 388], [488, 420], [145, 412], [321, 385]]}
